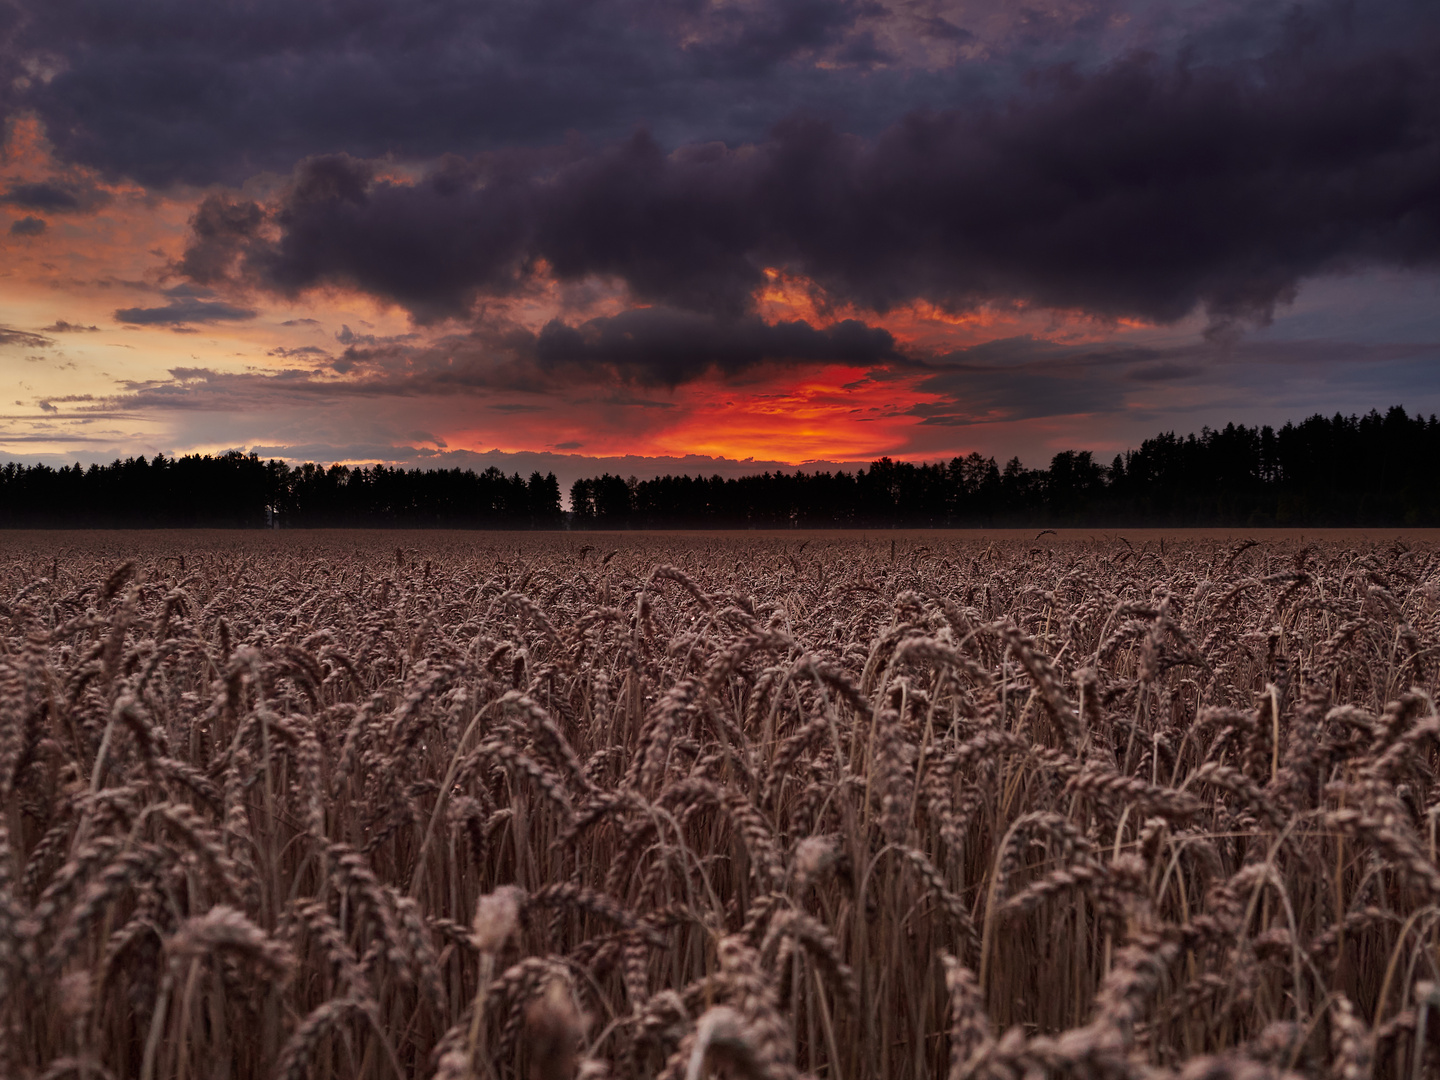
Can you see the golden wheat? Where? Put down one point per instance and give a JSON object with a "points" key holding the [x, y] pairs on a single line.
{"points": [[491, 806]]}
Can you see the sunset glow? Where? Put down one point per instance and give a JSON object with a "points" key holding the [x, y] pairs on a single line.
{"points": [[920, 274]]}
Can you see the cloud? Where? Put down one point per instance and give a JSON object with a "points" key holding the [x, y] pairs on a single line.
{"points": [[1146, 189], [1024, 378], [1020, 395], [10, 336], [489, 167], [50, 198], [60, 326], [205, 389], [642, 348], [1003, 382], [28, 226], [165, 93], [220, 228], [302, 351], [184, 310], [627, 360], [54, 197], [346, 336], [663, 347], [1162, 372]]}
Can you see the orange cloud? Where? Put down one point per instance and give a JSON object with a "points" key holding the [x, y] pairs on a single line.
{"points": [[116, 255], [830, 413], [926, 327]]}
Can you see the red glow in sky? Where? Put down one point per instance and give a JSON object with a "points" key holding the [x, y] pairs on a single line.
{"points": [[373, 240]]}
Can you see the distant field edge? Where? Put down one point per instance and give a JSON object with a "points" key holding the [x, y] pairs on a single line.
{"points": [[916, 536], [1036, 530]]}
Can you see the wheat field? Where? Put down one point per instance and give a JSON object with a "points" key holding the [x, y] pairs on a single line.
{"points": [[380, 805]]}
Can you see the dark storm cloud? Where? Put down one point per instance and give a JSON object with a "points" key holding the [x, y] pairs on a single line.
{"points": [[53, 197], [665, 348], [430, 247], [163, 91], [1145, 189], [220, 228], [47, 197], [644, 348]]}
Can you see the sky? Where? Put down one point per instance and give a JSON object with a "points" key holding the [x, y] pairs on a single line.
{"points": [[718, 236]]}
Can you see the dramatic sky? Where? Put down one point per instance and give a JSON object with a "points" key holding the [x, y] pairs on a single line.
{"points": [[423, 231]]}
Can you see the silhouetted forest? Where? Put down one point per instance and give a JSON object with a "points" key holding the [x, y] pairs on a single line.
{"points": [[1372, 470], [236, 490]]}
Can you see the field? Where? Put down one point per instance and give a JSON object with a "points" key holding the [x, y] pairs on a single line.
{"points": [[378, 805]]}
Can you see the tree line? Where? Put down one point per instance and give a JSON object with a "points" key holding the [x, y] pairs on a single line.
{"points": [[1372, 470], [235, 490]]}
